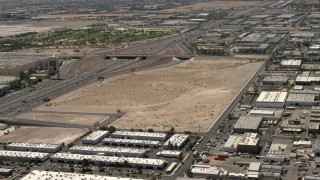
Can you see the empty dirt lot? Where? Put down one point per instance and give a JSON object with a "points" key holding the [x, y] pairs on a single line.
{"points": [[81, 119], [47, 135], [182, 96], [205, 6]]}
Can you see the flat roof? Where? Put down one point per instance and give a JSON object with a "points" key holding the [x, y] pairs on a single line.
{"points": [[111, 159], [254, 166], [301, 97], [22, 154], [177, 139], [248, 122], [19, 58], [45, 175], [205, 170], [275, 79], [7, 79], [95, 135], [272, 96], [131, 141], [139, 134], [261, 112], [110, 149], [33, 145], [291, 62], [170, 153]]}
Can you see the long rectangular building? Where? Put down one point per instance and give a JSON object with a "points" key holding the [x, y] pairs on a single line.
{"points": [[46, 175], [110, 160], [48, 148], [131, 142], [139, 135], [109, 151], [95, 137], [177, 141], [247, 124], [24, 155]]}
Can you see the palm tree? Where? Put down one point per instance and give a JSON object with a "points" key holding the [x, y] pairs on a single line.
{"points": [[86, 163]]}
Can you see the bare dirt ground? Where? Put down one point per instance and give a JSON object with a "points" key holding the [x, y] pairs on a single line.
{"points": [[212, 5], [17, 27], [48, 135], [182, 96], [81, 119]]}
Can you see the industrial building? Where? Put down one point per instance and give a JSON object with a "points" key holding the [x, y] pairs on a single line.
{"points": [[108, 151], [301, 100], [177, 141], [247, 124], [132, 162], [267, 114], [296, 64], [139, 135], [249, 143], [208, 172], [275, 81], [45, 175], [305, 144], [131, 142], [47, 148], [169, 154], [271, 99], [24, 155], [95, 137]]}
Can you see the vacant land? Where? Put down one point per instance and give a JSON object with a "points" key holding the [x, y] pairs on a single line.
{"points": [[183, 96], [212, 5], [48, 135], [81, 119]]}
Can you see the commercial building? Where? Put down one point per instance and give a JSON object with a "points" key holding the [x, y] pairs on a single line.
{"points": [[275, 81], [232, 143], [177, 141], [271, 99], [296, 64], [169, 154], [95, 137], [48, 148], [246, 143], [301, 100], [247, 124], [249, 144], [108, 151], [139, 135], [13, 63], [24, 155], [46, 175], [132, 162], [131, 142]]}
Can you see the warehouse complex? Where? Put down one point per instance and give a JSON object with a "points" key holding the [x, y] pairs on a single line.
{"points": [[131, 142], [246, 143], [139, 135], [108, 151], [110, 160], [95, 137], [44, 175], [48, 148], [24, 155]]}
